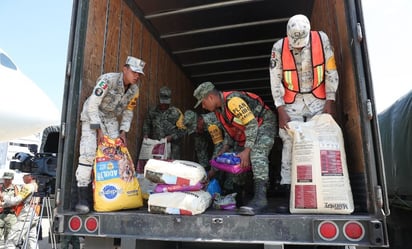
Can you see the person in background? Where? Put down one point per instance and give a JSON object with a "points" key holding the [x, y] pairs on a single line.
{"points": [[304, 80], [114, 96], [27, 212], [206, 130], [70, 240], [250, 123], [165, 121], [8, 215]]}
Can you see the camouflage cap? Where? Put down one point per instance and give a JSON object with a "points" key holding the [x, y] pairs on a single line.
{"points": [[202, 90], [135, 64], [8, 175], [165, 95], [190, 121], [298, 30]]}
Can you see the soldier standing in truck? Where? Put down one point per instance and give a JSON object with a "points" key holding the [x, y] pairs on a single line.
{"points": [[304, 80], [249, 122], [114, 96], [165, 121]]}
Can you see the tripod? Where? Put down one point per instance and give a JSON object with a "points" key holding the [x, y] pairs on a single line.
{"points": [[34, 218]]}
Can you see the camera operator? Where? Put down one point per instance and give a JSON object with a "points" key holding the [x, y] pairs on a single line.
{"points": [[7, 215], [27, 214]]}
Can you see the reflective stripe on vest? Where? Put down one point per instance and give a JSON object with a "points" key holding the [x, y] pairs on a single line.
{"points": [[235, 130], [290, 74]]}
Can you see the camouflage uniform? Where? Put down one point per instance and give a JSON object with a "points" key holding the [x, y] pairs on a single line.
{"points": [[306, 105], [8, 216], [259, 138], [241, 109], [211, 133], [109, 101], [160, 123]]}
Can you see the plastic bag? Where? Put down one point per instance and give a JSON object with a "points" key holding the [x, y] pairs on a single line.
{"points": [[224, 202], [213, 187]]}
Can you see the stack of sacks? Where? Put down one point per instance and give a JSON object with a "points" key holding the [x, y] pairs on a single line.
{"points": [[178, 187]]}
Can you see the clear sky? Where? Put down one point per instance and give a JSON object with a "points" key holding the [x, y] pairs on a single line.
{"points": [[35, 35]]}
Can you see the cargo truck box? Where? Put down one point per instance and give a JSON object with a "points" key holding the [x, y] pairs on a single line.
{"points": [[229, 43]]}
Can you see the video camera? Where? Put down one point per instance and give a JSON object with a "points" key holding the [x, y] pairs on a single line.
{"points": [[41, 165]]}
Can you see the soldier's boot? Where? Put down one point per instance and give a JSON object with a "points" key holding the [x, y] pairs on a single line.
{"points": [[240, 194], [283, 206], [82, 206], [259, 201]]}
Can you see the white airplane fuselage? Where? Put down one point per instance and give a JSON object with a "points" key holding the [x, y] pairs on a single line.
{"points": [[24, 108]]}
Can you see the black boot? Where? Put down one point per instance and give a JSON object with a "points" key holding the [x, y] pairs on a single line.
{"points": [[259, 201], [283, 206], [82, 206]]}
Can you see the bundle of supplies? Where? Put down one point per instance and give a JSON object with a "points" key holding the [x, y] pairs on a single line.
{"points": [[115, 185], [178, 187], [229, 162], [320, 180], [183, 203], [224, 202], [178, 172], [152, 148]]}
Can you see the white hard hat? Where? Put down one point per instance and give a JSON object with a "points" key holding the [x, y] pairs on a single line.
{"points": [[298, 30]]}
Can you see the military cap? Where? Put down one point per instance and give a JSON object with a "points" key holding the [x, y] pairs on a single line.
{"points": [[202, 90], [8, 175], [165, 95], [135, 64]]}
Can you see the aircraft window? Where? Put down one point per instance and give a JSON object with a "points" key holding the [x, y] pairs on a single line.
{"points": [[5, 61]]}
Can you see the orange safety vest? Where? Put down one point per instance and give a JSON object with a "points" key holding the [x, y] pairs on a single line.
{"points": [[290, 75], [235, 130]]}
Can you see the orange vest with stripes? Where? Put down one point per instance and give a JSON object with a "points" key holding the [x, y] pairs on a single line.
{"points": [[290, 75], [235, 130]]}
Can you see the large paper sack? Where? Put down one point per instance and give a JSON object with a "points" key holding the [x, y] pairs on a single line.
{"points": [[157, 149], [179, 172], [183, 203], [320, 181], [115, 186]]}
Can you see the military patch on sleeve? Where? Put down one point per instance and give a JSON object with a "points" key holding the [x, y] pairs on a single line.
{"points": [[103, 85], [272, 63], [215, 133], [241, 110], [133, 102], [98, 92], [331, 64]]}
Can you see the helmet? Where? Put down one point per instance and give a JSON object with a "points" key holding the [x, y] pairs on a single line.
{"points": [[298, 30]]}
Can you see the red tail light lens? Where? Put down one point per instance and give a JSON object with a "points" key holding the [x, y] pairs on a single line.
{"points": [[75, 223], [354, 230], [91, 224], [328, 230]]}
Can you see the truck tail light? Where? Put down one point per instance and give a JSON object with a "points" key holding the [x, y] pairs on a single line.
{"points": [[328, 230], [75, 223], [91, 224], [353, 230]]}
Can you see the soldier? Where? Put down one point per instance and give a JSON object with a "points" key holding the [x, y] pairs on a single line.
{"points": [[8, 216], [304, 80], [249, 122], [206, 130], [27, 214], [165, 121], [115, 95]]}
